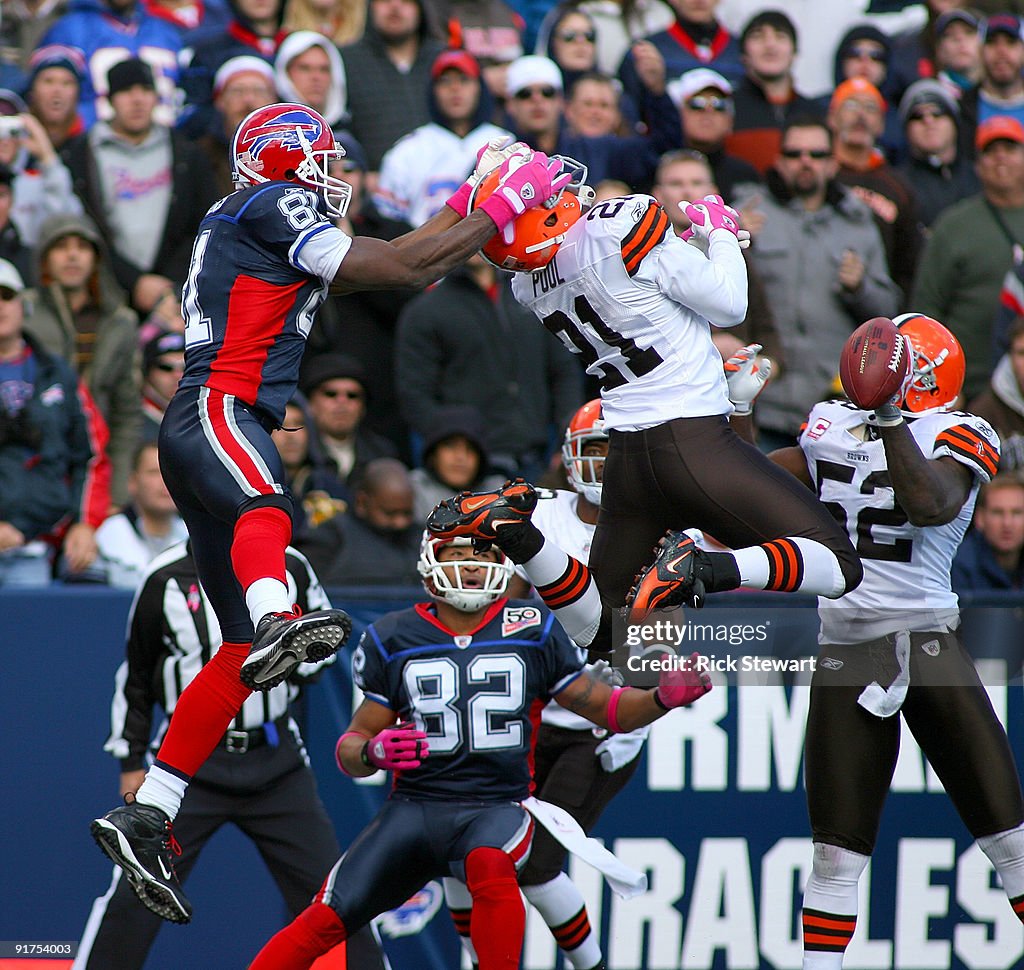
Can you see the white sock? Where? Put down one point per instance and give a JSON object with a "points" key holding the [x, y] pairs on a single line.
{"points": [[265, 596], [830, 898], [1006, 852], [791, 564], [562, 908], [163, 790], [568, 590]]}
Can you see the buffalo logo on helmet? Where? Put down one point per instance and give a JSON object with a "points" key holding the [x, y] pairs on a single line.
{"points": [[283, 130]]}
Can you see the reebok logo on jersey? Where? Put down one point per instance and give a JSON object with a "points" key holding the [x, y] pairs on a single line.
{"points": [[830, 663], [516, 618]]}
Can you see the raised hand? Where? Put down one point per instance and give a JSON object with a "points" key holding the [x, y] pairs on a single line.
{"points": [[682, 686], [525, 183], [488, 158], [709, 214], [746, 377]]}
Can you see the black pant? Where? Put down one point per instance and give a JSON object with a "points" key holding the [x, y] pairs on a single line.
{"points": [[698, 473], [270, 794], [851, 754]]}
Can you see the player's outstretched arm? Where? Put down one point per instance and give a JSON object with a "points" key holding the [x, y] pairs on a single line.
{"points": [[373, 264], [624, 709]]}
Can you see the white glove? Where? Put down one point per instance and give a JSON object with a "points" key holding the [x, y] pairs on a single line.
{"points": [[495, 152], [618, 750], [746, 378], [605, 673]]}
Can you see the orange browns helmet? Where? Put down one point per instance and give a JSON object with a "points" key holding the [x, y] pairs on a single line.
{"points": [[530, 241], [585, 472], [937, 366]]}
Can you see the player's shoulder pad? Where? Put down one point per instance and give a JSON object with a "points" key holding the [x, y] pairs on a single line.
{"points": [[825, 414], [637, 222], [965, 437]]}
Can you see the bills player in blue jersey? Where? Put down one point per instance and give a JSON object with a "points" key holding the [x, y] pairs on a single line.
{"points": [[262, 264], [453, 689], [902, 479]]}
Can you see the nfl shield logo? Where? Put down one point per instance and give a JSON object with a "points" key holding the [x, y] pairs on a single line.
{"points": [[462, 641]]}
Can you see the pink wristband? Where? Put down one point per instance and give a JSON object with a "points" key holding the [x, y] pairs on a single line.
{"points": [[337, 750], [459, 202], [611, 714]]}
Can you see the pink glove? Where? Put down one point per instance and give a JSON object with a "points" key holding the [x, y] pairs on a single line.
{"points": [[397, 748], [681, 687], [525, 184], [711, 213], [488, 158]]}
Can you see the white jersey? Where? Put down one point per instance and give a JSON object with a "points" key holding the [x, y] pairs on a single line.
{"points": [[422, 170], [556, 517], [637, 304], [906, 567]]}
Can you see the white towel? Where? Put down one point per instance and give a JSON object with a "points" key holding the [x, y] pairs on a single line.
{"points": [[623, 880], [884, 702]]}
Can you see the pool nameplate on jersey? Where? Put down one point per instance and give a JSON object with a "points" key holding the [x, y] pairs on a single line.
{"points": [[546, 279], [516, 618]]}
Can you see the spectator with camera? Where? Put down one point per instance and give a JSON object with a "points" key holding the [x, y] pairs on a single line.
{"points": [[42, 185], [80, 315], [52, 475]]}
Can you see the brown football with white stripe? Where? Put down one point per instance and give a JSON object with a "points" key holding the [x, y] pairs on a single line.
{"points": [[874, 363]]}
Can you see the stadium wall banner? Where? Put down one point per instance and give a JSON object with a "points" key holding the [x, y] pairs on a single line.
{"points": [[715, 815]]}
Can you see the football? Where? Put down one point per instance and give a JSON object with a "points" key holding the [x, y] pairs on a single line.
{"points": [[874, 363]]}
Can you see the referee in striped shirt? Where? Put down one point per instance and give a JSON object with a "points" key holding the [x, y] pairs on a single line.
{"points": [[258, 776]]}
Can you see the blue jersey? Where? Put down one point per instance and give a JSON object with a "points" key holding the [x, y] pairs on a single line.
{"points": [[106, 38], [261, 265], [477, 697]]}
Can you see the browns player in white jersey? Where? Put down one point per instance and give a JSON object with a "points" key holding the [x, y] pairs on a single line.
{"points": [[902, 481], [617, 286]]}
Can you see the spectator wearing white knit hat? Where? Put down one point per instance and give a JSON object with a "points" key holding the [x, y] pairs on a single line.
{"points": [[240, 86]]}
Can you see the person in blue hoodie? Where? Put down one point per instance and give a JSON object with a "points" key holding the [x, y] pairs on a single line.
{"points": [[107, 31]]}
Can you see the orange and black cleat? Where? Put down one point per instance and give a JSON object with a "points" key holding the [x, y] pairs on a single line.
{"points": [[672, 579], [480, 515]]}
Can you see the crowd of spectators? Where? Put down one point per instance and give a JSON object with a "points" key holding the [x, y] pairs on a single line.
{"points": [[877, 159]]}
